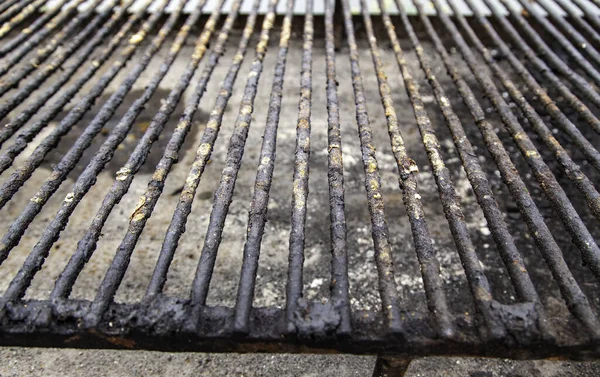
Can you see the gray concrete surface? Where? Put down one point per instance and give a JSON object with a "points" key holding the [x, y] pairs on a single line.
{"points": [[273, 262], [36, 362]]}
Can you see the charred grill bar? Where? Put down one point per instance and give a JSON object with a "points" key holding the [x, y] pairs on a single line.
{"points": [[77, 49]]}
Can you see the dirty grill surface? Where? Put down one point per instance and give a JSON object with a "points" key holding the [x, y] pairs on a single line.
{"points": [[367, 177]]}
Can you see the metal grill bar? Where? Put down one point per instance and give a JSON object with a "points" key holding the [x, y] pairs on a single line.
{"points": [[68, 162], [543, 68], [561, 119], [579, 41], [15, 9], [262, 185], [555, 194], [523, 327], [7, 4], [43, 53], [589, 17], [546, 52], [26, 12], [31, 29], [429, 265], [159, 275], [572, 170], [36, 258], [116, 136], [235, 151], [117, 269], [43, 73], [579, 21], [82, 57], [301, 174], [572, 293], [485, 197], [125, 175], [379, 231], [339, 247]]}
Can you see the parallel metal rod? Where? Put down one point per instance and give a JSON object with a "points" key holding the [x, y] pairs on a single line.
{"points": [[257, 215], [159, 275], [578, 41], [94, 63], [7, 4], [294, 285], [558, 198], [8, 26], [29, 31], [116, 136], [118, 267], [379, 230], [546, 52], [224, 192], [563, 122], [12, 237], [340, 284], [87, 245], [430, 267], [48, 69], [587, 90], [11, 80], [579, 21], [571, 292], [571, 169], [14, 10], [505, 243], [590, 17]]}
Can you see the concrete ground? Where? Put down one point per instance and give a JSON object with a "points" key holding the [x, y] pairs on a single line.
{"points": [[273, 263], [36, 362]]}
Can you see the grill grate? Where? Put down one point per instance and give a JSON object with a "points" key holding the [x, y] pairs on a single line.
{"points": [[538, 73]]}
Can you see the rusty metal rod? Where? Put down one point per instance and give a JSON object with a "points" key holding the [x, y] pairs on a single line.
{"points": [[83, 58], [235, 151], [48, 69], [29, 31], [590, 17], [547, 53], [55, 44], [14, 10], [430, 268], [505, 243], [7, 4], [575, 298], [118, 266], [565, 124], [8, 26], [68, 162], [294, 285], [87, 245], [116, 136], [586, 89], [583, 25], [578, 41], [340, 284], [149, 199], [379, 229], [547, 182], [257, 215], [18, 178], [571, 169]]}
